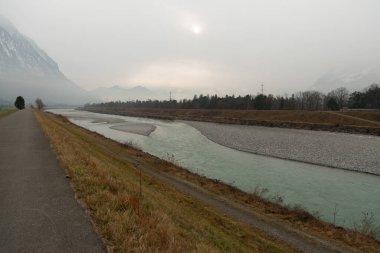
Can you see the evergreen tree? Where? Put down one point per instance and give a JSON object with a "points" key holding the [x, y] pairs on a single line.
{"points": [[332, 104], [20, 103]]}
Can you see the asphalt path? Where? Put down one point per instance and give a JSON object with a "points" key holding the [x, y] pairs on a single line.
{"points": [[38, 209]]}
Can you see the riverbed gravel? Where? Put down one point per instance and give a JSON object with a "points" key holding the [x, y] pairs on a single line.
{"points": [[339, 150], [135, 128]]}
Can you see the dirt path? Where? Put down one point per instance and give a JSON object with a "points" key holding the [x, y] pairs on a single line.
{"points": [[353, 117], [298, 239], [38, 210]]}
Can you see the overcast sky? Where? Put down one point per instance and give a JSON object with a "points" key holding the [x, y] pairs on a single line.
{"points": [[206, 45]]}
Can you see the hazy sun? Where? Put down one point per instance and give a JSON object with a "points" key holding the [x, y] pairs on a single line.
{"points": [[196, 29]]}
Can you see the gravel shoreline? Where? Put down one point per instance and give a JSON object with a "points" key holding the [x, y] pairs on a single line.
{"points": [[339, 150], [135, 128], [125, 126]]}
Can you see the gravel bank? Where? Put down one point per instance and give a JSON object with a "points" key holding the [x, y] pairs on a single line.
{"points": [[346, 151], [135, 128], [98, 119], [124, 126]]}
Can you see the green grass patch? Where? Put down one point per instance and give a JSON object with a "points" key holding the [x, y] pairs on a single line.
{"points": [[6, 111]]}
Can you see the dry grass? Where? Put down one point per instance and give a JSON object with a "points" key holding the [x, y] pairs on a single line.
{"points": [[367, 115], [295, 216], [311, 117], [358, 122], [6, 112], [163, 220]]}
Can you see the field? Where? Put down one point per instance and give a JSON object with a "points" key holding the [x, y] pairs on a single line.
{"points": [[354, 121], [366, 115], [5, 112], [163, 219]]}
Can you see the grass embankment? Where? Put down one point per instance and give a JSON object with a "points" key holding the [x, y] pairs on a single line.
{"points": [[163, 220], [354, 122], [5, 112]]}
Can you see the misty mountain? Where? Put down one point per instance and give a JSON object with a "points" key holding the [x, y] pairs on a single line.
{"points": [[27, 70], [117, 93], [4, 103], [353, 80]]}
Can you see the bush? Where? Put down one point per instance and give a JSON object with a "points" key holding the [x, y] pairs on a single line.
{"points": [[368, 226]]}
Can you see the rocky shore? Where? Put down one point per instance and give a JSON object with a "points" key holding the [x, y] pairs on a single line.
{"points": [[339, 150], [135, 128]]}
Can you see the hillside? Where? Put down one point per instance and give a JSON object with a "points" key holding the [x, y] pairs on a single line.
{"points": [[25, 69]]}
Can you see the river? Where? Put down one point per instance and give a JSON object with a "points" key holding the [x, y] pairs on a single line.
{"points": [[325, 191]]}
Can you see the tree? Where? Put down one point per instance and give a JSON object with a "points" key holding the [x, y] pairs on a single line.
{"points": [[367, 99], [313, 99], [341, 95], [20, 103], [40, 105], [332, 104], [309, 100], [372, 97], [259, 102], [357, 100]]}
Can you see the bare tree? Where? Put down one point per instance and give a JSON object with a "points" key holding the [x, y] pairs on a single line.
{"points": [[341, 95], [40, 105], [309, 100], [299, 101]]}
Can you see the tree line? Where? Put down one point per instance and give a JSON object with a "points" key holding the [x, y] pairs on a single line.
{"points": [[20, 103], [336, 99]]}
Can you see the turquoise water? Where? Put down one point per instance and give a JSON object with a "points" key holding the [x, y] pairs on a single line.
{"points": [[316, 188]]}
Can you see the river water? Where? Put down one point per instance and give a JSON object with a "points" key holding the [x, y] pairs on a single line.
{"points": [[329, 192]]}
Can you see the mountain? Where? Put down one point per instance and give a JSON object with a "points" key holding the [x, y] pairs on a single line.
{"points": [[117, 93], [4, 103], [27, 70], [352, 79]]}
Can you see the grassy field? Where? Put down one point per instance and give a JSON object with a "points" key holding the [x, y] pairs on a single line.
{"points": [[165, 220], [355, 121], [5, 112]]}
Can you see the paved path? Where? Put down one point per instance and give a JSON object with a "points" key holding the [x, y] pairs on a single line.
{"points": [[38, 210]]}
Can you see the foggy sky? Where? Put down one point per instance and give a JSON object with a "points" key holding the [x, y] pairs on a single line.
{"points": [[205, 46]]}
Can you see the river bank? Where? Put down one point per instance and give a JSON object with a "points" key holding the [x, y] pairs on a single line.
{"points": [[319, 189], [337, 150], [113, 152], [353, 152], [367, 123]]}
